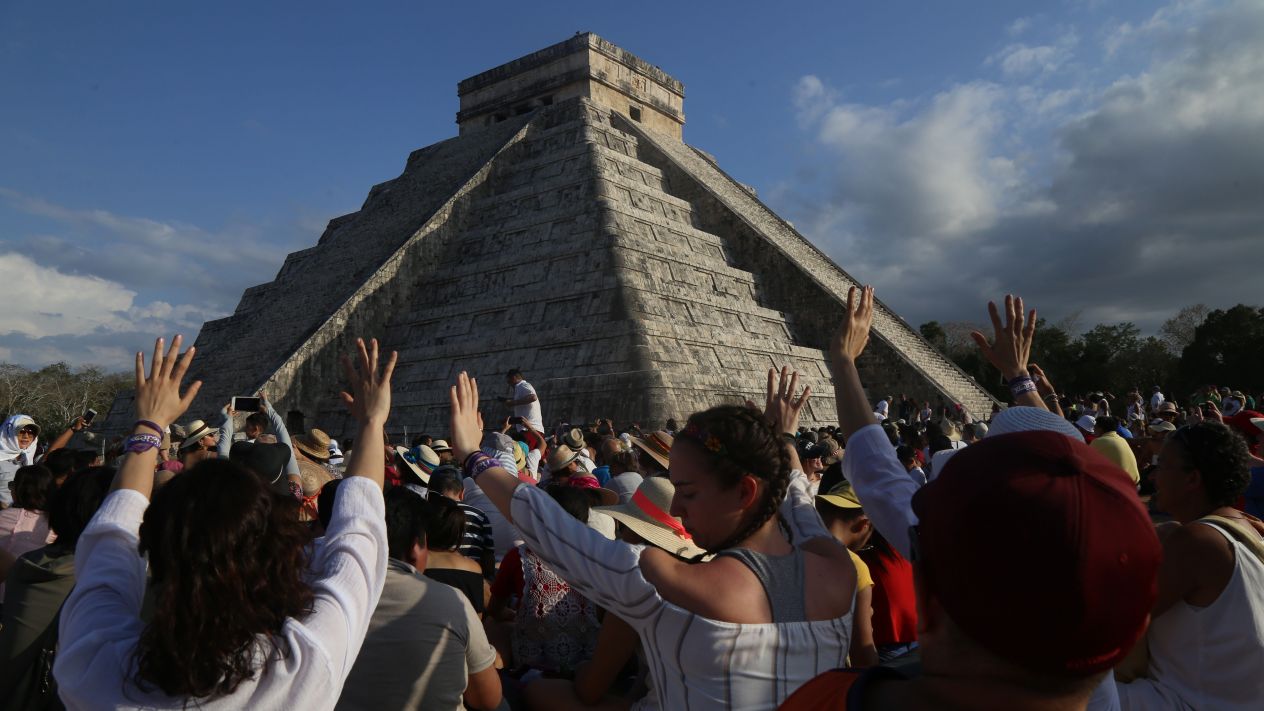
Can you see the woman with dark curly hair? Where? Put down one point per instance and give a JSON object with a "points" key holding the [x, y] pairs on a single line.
{"points": [[738, 494], [241, 617], [1206, 638]]}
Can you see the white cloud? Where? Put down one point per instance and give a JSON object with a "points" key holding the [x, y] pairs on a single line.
{"points": [[1019, 26], [1020, 59], [43, 302], [933, 167]]}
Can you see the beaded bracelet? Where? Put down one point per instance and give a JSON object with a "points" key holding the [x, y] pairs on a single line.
{"points": [[139, 443], [150, 425]]}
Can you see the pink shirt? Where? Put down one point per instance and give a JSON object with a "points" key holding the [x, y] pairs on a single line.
{"points": [[23, 530]]}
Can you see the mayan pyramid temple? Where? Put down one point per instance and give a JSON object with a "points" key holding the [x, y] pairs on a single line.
{"points": [[568, 230]]}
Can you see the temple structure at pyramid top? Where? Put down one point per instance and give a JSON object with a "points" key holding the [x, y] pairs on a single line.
{"points": [[584, 66], [570, 232]]}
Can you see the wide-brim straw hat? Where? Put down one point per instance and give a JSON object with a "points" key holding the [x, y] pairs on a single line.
{"points": [[560, 457], [402, 455], [574, 439], [658, 445], [313, 476], [648, 515], [441, 446], [315, 444], [196, 430]]}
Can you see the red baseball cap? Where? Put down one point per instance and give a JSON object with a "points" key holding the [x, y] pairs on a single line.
{"points": [[1038, 548]]}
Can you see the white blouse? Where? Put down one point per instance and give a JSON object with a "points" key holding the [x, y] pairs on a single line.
{"points": [[695, 662], [100, 623]]}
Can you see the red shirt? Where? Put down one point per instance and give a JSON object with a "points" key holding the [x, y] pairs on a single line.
{"points": [[508, 581], [894, 604]]}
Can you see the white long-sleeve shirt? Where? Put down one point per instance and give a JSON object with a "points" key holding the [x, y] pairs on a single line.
{"points": [[695, 662], [100, 623]]}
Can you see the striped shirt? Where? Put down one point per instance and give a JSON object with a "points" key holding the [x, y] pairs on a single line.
{"points": [[478, 533], [695, 662]]}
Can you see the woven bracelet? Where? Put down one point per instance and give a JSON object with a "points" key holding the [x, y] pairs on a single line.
{"points": [[139, 443]]}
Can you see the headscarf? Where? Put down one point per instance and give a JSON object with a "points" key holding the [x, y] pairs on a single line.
{"points": [[9, 449]]}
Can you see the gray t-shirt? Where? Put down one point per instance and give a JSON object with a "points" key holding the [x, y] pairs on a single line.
{"points": [[423, 643]]}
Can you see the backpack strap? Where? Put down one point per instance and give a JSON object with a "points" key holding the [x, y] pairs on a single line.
{"points": [[1243, 534]]}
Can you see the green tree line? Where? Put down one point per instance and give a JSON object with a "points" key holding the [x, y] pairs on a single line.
{"points": [[1196, 347], [56, 394]]}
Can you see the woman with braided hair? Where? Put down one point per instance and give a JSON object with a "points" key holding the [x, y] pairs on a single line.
{"points": [[739, 494]]}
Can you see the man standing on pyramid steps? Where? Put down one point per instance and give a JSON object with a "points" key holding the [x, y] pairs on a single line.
{"points": [[524, 401]]}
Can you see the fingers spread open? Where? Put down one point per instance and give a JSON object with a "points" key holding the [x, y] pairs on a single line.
{"points": [[173, 355], [155, 367], [182, 366], [190, 394], [390, 366]]}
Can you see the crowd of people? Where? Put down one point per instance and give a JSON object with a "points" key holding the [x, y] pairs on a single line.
{"points": [[913, 555]]}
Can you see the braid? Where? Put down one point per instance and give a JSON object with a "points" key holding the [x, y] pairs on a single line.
{"points": [[750, 445]]}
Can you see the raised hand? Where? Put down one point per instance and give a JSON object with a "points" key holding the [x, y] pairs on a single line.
{"points": [[853, 333], [1043, 385], [1011, 343], [368, 397], [467, 422], [158, 397], [780, 406]]}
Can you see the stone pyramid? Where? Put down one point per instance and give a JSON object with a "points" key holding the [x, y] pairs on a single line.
{"points": [[570, 232]]}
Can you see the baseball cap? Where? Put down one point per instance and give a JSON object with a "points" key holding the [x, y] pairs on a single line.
{"points": [[842, 496], [1068, 553]]}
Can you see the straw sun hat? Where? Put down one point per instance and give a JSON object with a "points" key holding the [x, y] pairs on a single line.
{"points": [[647, 514], [658, 445], [314, 444]]}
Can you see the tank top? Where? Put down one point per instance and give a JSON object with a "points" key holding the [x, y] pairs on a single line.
{"points": [[783, 578], [1208, 657]]}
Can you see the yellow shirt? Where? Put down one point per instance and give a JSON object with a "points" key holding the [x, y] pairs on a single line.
{"points": [[1116, 449], [863, 578]]}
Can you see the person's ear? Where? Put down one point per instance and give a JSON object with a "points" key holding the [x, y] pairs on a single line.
{"points": [[860, 525], [748, 490]]}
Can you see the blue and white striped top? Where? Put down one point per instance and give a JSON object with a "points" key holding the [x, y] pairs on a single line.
{"points": [[694, 662]]}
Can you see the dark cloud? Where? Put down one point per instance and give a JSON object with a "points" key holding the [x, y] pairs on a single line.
{"points": [[1152, 200]]}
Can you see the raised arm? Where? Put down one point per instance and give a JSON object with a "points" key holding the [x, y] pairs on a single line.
{"points": [[605, 571], [64, 438], [227, 429], [884, 487], [368, 397], [1011, 348], [158, 403], [782, 409], [282, 435]]}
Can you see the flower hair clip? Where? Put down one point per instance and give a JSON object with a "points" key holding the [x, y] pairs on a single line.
{"points": [[709, 441]]}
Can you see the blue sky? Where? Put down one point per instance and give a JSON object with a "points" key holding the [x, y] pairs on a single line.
{"points": [[1107, 159]]}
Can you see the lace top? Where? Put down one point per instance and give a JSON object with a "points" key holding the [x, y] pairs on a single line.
{"points": [[556, 627]]}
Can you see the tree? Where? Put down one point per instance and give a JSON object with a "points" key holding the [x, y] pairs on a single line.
{"points": [[934, 335], [1178, 331], [1225, 350], [56, 394]]}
